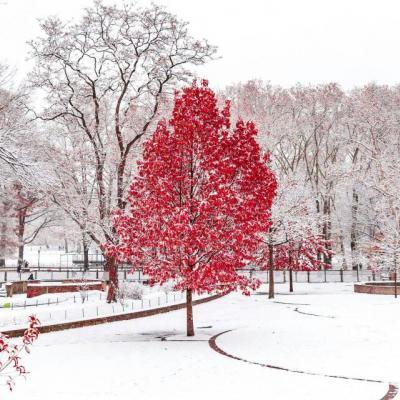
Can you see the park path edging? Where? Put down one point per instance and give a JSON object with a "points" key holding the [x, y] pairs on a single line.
{"points": [[112, 318], [390, 394]]}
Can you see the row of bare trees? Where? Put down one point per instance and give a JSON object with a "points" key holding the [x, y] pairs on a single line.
{"points": [[344, 148]]}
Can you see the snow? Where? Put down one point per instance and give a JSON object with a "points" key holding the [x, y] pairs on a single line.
{"points": [[61, 307], [151, 358]]}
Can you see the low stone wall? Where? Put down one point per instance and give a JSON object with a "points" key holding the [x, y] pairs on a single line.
{"points": [[37, 290], [112, 318], [375, 288], [32, 289], [17, 287]]}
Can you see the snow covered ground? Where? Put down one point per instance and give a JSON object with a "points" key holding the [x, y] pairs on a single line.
{"points": [[61, 307], [321, 329]]}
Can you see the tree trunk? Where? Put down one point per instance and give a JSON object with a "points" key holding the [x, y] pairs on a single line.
{"points": [[3, 239], [21, 248], [85, 255], [327, 231], [65, 244], [290, 281], [353, 233], [112, 269], [189, 313], [20, 234], [271, 284], [290, 272]]}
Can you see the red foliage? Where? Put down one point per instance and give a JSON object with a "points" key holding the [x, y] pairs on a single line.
{"points": [[201, 200], [306, 254], [11, 352]]}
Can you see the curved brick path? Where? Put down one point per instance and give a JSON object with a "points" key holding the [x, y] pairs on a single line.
{"points": [[390, 394]]}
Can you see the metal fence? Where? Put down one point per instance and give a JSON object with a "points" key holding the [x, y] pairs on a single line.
{"points": [[329, 275], [323, 276], [55, 310]]}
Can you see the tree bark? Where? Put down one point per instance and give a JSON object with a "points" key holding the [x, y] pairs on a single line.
{"points": [[112, 269], [3, 247], [353, 233], [189, 313], [85, 256], [20, 234], [290, 281], [327, 231], [271, 284]]}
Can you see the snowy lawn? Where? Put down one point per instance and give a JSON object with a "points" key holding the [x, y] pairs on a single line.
{"points": [[353, 335], [61, 307]]}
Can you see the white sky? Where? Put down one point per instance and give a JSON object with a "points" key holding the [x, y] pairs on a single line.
{"points": [[283, 41]]}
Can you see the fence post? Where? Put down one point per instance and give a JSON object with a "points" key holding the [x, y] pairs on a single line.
{"points": [[125, 273], [373, 275], [358, 273], [284, 276], [97, 274], [341, 275], [308, 276], [5, 276], [325, 274]]}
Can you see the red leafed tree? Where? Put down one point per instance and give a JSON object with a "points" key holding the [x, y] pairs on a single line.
{"points": [[200, 202], [304, 254]]}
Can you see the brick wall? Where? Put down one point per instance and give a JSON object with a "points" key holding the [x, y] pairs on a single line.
{"points": [[375, 289], [37, 290]]}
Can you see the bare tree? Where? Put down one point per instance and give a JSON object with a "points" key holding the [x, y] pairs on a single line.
{"points": [[107, 76]]}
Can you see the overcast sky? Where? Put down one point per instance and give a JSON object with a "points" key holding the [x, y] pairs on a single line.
{"points": [[284, 41]]}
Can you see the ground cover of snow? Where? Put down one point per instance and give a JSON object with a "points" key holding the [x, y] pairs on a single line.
{"points": [[62, 307], [322, 329]]}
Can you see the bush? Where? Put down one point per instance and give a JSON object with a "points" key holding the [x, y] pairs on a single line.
{"points": [[130, 290]]}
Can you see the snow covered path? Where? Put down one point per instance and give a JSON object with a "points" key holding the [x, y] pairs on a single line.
{"points": [[336, 333]]}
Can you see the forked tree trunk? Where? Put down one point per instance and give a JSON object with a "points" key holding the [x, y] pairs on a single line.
{"points": [[112, 269], [189, 313], [271, 284]]}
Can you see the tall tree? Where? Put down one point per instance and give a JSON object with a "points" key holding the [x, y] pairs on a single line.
{"points": [[201, 201], [106, 77]]}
